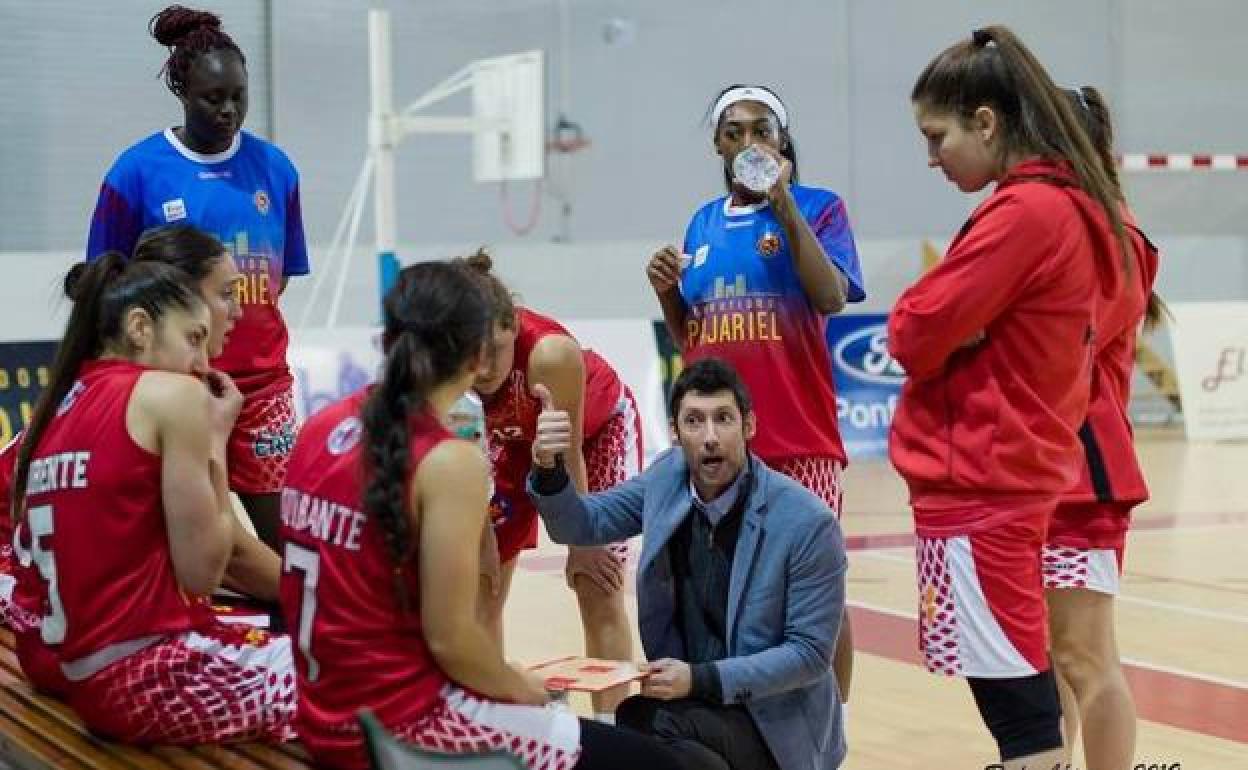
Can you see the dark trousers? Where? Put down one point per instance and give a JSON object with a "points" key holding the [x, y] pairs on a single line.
{"points": [[704, 736]]}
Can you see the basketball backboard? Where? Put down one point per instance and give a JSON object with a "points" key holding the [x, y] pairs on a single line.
{"points": [[510, 89]]}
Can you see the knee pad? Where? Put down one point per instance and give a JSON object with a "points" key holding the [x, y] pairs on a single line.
{"points": [[1024, 715]]}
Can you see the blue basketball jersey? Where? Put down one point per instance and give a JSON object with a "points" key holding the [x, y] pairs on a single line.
{"points": [[248, 197], [746, 305]]}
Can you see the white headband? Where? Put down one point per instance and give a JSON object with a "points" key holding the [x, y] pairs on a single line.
{"points": [[749, 94]]}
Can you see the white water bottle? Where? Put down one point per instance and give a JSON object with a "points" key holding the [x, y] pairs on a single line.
{"points": [[467, 421], [755, 169]]}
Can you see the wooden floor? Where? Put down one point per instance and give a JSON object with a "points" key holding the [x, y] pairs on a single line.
{"points": [[1182, 620]]}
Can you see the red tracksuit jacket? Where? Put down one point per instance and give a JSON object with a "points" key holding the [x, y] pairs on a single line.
{"points": [[987, 428], [1111, 471]]}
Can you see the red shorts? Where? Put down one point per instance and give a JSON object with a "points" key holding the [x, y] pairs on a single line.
{"points": [[1091, 525], [217, 685], [462, 723], [981, 602], [260, 445], [612, 455], [821, 475], [1086, 546], [540, 738]]}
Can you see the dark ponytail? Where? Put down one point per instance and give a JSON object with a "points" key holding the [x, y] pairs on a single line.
{"points": [[436, 319], [1093, 110], [994, 69], [102, 292], [187, 248]]}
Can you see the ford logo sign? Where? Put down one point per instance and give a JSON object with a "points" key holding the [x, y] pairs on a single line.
{"points": [[864, 355]]}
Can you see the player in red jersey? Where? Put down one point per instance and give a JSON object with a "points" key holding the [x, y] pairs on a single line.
{"points": [[382, 517], [254, 569], [997, 341], [530, 349], [1086, 541], [124, 522]]}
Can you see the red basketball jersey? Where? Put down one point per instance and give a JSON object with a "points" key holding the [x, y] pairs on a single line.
{"points": [[511, 419], [91, 554], [356, 647]]}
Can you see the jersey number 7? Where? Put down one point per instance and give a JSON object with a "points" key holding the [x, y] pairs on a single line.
{"points": [[309, 563]]}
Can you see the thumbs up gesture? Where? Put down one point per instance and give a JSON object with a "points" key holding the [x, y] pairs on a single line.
{"points": [[554, 430]]}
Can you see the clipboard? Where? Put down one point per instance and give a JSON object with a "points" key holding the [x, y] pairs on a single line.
{"points": [[576, 673]]}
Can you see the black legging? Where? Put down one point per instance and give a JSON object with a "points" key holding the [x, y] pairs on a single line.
{"points": [[604, 747]]}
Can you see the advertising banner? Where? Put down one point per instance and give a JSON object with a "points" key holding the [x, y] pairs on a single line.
{"points": [[868, 381], [23, 374], [1210, 341]]}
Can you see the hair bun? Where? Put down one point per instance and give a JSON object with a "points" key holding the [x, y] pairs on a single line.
{"points": [[480, 262], [73, 281], [87, 278], [174, 24]]}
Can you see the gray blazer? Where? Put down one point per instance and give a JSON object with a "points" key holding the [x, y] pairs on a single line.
{"points": [[786, 595]]}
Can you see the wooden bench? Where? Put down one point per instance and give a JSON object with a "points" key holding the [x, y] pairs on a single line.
{"points": [[39, 733]]}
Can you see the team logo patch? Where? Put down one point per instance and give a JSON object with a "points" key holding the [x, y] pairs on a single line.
{"points": [[174, 210], [500, 510], [929, 603], [769, 245], [261, 199], [70, 397], [276, 443], [345, 435]]}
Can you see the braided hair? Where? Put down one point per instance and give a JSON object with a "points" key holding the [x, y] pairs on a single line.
{"points": [[436, 318]]}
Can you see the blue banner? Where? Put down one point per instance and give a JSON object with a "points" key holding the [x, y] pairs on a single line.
{"points": [[868, 381]]}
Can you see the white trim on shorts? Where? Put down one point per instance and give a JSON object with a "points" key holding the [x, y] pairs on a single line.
{"points": [[627, 406], [276, 654], [90, 665], [1093, 569], [557, 729]]}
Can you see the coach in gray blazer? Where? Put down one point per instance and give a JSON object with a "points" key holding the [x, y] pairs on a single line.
{"points": [[740, 586]]}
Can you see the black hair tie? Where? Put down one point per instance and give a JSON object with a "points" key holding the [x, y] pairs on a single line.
{"points": [[981, 38]]}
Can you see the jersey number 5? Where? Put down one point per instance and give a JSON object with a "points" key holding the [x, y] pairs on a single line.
{"points": [[39, 522], [309, 563]]}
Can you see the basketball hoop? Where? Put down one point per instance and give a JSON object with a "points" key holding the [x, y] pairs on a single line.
{"points": [[568, 138], [507, 126]]}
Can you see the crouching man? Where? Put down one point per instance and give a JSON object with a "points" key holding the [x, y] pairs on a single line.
{"points": [[740, 585]]}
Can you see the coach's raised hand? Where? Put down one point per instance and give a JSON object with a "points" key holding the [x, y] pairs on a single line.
{"points": [[553, 436]]}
